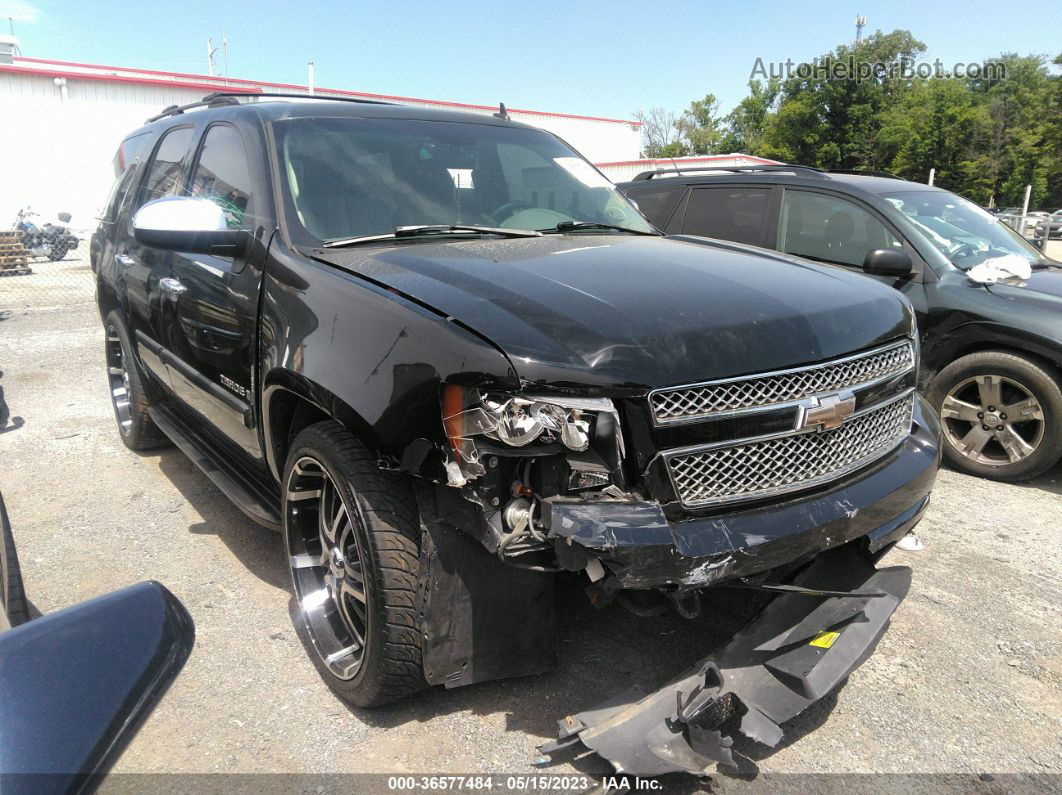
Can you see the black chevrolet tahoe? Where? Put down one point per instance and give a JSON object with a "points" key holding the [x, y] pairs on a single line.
{"points": [[989, 304], [450, 362]]}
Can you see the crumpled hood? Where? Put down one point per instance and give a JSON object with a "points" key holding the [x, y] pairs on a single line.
{"points": [[639, 312]]}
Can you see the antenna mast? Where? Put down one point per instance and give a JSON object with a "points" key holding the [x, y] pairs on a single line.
{"points": [[860, 23], [211, 49]]}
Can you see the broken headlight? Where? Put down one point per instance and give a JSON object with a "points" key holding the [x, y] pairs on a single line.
{"points": [[520, 420]]}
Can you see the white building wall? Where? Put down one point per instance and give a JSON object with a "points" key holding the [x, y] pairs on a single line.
{"points": [[55, 153], [57, 142]]}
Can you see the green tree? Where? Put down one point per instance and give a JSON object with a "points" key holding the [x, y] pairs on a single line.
{"points": [[987, 137], [938, 124], [700, 126], [744, 126], [836, 121]]}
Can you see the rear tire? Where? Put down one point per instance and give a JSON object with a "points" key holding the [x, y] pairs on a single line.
{"points": [[128, 399], [352, 535], [58, 251], [981, 437], [13, 596]]}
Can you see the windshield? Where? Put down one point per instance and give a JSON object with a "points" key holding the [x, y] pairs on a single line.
{"points": [[959, 229], [354, 177]]}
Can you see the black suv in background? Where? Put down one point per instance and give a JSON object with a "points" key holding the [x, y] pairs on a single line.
{"points": [[991, 340], [451, 362]]}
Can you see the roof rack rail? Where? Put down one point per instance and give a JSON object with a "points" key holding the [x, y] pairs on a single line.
{"points": [[233, 98], [807, 170], [862, 172]]}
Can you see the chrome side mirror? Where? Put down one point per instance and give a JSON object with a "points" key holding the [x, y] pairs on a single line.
{"points": [[183, 223]]}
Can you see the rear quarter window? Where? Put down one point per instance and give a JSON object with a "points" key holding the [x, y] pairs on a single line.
{"points": [[657, 204]]}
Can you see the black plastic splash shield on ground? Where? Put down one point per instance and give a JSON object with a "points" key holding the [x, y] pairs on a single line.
{"points": [[795, 652]]}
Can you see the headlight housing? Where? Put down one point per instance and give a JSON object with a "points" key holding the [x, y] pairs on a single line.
{"points": [[520, 420]]}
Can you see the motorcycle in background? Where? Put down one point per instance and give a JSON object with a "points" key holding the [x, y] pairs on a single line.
{"points": [[53, 240]]}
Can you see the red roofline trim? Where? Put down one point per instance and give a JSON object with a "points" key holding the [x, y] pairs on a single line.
{"points": [[258, 86], [26, 70]]}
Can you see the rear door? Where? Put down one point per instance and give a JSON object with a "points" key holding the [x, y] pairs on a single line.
{"points": [[127, 162], [214, 300], [742, 213], [144, 271]]}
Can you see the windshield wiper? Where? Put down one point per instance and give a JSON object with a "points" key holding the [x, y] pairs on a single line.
{"points": [[569, 226], [421, 230]]}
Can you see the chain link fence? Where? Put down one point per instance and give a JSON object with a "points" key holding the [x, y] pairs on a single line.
{"points": [[44, 265]]}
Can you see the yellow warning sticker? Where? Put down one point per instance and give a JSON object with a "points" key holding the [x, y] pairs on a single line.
{"points": [[824, 639]]}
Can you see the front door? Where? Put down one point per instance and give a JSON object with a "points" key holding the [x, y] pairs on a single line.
{"points": [[212, 336], [829, 228]]}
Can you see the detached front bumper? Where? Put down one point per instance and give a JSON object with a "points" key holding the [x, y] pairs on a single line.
{"points": [[795, 652], [643, 549]]}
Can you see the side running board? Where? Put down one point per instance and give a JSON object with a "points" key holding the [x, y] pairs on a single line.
{"points": [[255, 507]]}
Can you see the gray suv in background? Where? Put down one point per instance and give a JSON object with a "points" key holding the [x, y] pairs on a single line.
{"points": [[989, 304]]}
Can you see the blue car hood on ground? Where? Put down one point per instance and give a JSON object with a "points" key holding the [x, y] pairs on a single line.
{"points": [[617, 310]]}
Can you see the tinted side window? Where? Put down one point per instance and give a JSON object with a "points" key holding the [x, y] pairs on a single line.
{"points": [[729, 213], [126, 160], [830, 229], [657, 203], [222, 175], [164, 171]]}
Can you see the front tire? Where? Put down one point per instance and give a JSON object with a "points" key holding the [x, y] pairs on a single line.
{"points": [[1001, 415], [352, 537]]}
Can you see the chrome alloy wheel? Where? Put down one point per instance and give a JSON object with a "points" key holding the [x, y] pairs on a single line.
{"points": [[992, 420], [326, 567], [118, 381]]}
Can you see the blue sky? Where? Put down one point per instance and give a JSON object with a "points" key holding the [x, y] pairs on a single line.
{"points": [[593, 58]]}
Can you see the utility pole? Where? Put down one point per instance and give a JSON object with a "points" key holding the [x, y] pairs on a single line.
{"points": [[225, 55], [211, 49], [11, 25], [309, 77], [860, 23], [1025, 212]]}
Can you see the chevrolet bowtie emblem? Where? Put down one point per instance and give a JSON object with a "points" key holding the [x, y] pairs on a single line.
{"points": [[826, 412]]}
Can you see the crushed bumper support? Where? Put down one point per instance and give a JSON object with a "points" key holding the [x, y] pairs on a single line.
{"points": [[795, 652]]}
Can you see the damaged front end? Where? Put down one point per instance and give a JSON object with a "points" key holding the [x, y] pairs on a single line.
{"points": [[802, 646], [511, 454], [550, 483], [581, 483]]}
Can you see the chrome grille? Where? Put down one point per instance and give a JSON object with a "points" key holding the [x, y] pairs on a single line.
{"points": [[699, 401], [751, 469]]}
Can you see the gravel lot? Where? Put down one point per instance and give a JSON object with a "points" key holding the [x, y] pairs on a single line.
{"points": [[968, 680]]}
